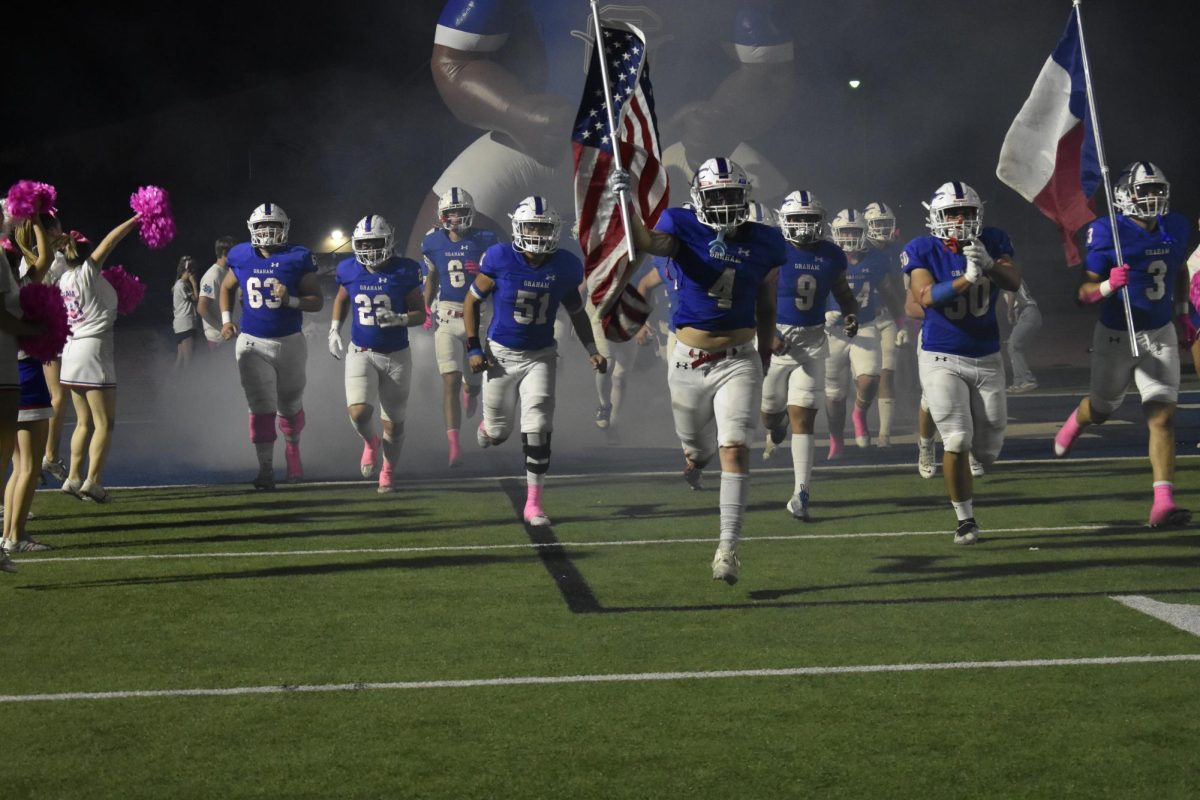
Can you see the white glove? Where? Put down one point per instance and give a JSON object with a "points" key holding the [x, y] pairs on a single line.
{"points": [[901, 337], [833, 319], [386, 318], [976, 253], [618, 181], [335, 341], [974, 273]]}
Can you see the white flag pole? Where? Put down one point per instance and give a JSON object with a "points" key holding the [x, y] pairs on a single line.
{"points": [[612, 126], [1108, 193]]}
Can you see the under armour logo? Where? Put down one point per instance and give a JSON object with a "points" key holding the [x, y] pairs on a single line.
{"points": [[941, 358], [744, 252], [681, 365]]}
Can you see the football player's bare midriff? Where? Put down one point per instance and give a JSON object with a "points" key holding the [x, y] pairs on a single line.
{"points": [[714, 340]]}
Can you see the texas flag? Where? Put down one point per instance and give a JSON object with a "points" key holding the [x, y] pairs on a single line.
{"points": [[1049, 153]]}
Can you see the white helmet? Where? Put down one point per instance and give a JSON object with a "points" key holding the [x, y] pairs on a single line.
{"points": [[456, 209], [802, 217], [762, 215], [881, 222], [955, 196], [372, 240], [535, 226], [721, 193], [268, 225], [1142, 191], [849, 230]]}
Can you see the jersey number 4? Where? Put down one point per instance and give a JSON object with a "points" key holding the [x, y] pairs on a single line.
{"points": [[722, 289]]}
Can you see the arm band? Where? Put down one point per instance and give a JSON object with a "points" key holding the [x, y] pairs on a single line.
{"points": [[226, 317], [474, 348], [942, 293], [1106, 289], [293, 301], [481, 295]]}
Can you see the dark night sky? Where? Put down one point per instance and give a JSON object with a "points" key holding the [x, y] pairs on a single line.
{"points": [[329, 114]]}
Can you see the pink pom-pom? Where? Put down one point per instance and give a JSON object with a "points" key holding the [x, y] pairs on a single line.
{"points": [[130, 290], [158, 226], [26, 199], [43, 302]]}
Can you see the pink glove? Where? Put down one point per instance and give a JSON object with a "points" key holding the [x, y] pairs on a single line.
{"points": [[1195, 291], [1118, 277], [428, 319]]}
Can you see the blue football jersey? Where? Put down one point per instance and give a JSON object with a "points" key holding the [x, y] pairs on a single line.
{"points": [[667, 271], [1154, 258], [718, 281], [966, 326], [526, 298], [385, 287], [456, 262], [864, 279], [804, 282], [262, 314]]}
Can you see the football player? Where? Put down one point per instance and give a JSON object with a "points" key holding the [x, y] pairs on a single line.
{"points": [[888, 301], [452, 252], [727, 272], [383, 292], [1026, 321], [527, 280], [796, 378], [956, 274], [209, 305], [1154, 247], [278, 282], [859, 358]]}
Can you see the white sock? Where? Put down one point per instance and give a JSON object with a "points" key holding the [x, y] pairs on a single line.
{"points": [[534, 479], [964, 510], [802, 459], [885, 415], [735, 489]]}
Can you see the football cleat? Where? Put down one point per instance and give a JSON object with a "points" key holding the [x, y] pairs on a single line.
{"points": [[265, 480], [387, 482], [370, 457], [1169, 516], [481, 436], [603, 416], [862, 434], [72, 488], [725, 563], [694, 476], [1021, 388], [295, 469], [535, 517], [926, 461], [28, 545], [775, 437], [55, 468], [976, 467], [967, 532], [798, 505], [6, 563]]}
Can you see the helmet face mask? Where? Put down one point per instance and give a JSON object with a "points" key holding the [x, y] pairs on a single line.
{"points": [[802, 217], [849, 231], [268, 225], [1142, 191], [955, 213], [456, 210], [536, 227], [881, 222], [721, 194], [373, 240]]}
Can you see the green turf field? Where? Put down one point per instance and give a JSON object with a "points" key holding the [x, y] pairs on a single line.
{"points": [[369, 608]]}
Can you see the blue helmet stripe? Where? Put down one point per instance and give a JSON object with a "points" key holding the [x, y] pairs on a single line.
{"points": [[722, 166], [454, 195], [367, 224], [267, 209], [804, 198]]}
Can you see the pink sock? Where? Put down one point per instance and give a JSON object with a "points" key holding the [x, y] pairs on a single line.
{"points": [[1164, 494], [859, 417], [533, 497], [452, 437], [1067, 435]]}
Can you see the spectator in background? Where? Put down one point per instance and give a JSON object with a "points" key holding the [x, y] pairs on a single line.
{"points": [[183, 301], [1026, 321], [208, 305]]}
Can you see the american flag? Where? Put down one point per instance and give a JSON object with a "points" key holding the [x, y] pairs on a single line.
{"points": [[601, 232]]}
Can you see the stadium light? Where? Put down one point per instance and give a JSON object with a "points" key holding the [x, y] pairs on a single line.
{"points": [[336, 235], [855, 83]]}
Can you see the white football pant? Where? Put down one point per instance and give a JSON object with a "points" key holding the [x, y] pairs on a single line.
{"points": [[527, 374], [1155, 372], [272, 372], [379, 380], [967, 401], [450, 342], [797, 376], [714, 401], [850, 357]]}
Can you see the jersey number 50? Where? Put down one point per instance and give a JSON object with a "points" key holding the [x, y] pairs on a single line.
{"points": [[976, 300]]}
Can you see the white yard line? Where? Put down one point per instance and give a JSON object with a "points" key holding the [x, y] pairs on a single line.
{"points": [[634, 677], [31, 560]]}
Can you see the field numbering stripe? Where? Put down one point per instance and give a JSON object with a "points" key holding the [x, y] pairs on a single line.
{"points": [[633, 677]]}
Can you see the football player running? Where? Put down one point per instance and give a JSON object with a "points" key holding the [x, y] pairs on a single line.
{"points": [[859, 358], [956, 274], [527, 280], [727, 272], [278, 282], [889, 317], [796, 377], [383, 293], [1154, 246], [452, 253]]}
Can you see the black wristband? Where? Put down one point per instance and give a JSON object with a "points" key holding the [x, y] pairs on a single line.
{"points": [[473, 343]]}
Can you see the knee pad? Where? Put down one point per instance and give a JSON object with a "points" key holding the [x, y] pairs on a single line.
{"points": [[537, 452], [291, 426], [262, 428], [957, 442]]}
